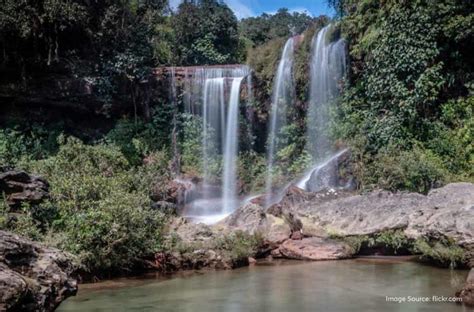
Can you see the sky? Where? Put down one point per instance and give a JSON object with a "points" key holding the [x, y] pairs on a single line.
{"points": [[247, 8]]}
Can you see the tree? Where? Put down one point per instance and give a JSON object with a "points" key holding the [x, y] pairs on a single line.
{"points": [[270, 26], [206, 33]]}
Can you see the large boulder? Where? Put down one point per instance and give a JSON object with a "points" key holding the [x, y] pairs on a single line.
{"points": [[21, 187], [251, 218], [447, 211], [467, 292], [33, 277], [315, 248]]}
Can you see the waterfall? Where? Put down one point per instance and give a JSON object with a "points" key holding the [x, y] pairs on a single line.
{"points": [[231, 148], [328, 67], [213, 95], [283, 94], [212, 126]]}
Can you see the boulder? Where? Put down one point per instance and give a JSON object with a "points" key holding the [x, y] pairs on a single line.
{"points": [[251, 218], [33, 277], [467, 292], [21, 187], [447, 211], [315, 248]]}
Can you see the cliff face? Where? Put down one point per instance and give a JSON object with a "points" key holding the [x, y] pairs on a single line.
{"points": [[33, 277]]}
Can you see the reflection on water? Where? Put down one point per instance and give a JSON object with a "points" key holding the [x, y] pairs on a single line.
{"points": [[352, 285]]}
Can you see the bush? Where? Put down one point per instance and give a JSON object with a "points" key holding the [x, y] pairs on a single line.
{"points": [[239, 245], [104, 214], [26, 143], [137, 139], [417, 170]]}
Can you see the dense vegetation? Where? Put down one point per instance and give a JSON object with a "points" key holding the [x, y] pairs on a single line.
{"points": [[405, 110]]}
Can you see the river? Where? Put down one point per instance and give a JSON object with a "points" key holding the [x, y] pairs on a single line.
{"points": [[350, 285]]}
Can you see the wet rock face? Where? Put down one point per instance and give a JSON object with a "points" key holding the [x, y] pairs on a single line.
{"points": [[19, 187], [33, 277]]}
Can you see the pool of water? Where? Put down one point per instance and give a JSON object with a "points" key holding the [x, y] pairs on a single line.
{"points": [[350, 285]]}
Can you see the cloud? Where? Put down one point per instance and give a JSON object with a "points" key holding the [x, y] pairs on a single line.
{"points": [[240, 8]]}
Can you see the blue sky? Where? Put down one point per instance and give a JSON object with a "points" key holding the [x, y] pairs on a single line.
{"points": [[246, 8]]}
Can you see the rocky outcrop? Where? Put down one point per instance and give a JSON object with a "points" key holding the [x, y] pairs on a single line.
{"points": [[467, 292], [301, 224], [33, 277], [21, 187], [447, 211], [197, 246], [314, 248], [252, 218]]}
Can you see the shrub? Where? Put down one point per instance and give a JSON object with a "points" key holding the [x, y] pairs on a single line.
{"points": [[239, 245], [104, 215], [416, 170]]}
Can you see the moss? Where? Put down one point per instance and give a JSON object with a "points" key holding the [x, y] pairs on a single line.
{"points": [[394, 239], [442, 252], [389, 241], [356, 242]]}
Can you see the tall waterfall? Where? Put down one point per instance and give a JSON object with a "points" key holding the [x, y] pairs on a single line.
{"points": [[231, 149], [283, 94], [328, 67], [213, 94]]}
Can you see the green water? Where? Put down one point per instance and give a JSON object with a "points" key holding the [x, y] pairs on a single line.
{"points": [[352, 285]]}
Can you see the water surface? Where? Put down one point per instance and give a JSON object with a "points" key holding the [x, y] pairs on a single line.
{"points": [[351, 285]]}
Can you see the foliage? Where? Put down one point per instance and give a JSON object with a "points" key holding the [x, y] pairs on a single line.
{"points": [[266, 27], [139, 138], [408, 74], [104, 214], [251, 171], [26, 143], [22, 222], [394, 239], [239, 245], [442, 251], [206, 33]]}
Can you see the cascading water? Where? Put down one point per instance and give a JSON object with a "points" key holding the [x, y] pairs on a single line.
{"points": [[328, 67], [213, 94], [283, 94], [231, 149]]}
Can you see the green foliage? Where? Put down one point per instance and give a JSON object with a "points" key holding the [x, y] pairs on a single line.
{"points": [[137, 139], [394, 239], [416, 170], [21, 222], [22, 144], [104, 212], [239, 245], [206, 33], [409, 80], [266, 27], [190, 145], [251, 171], [441, 251]]}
